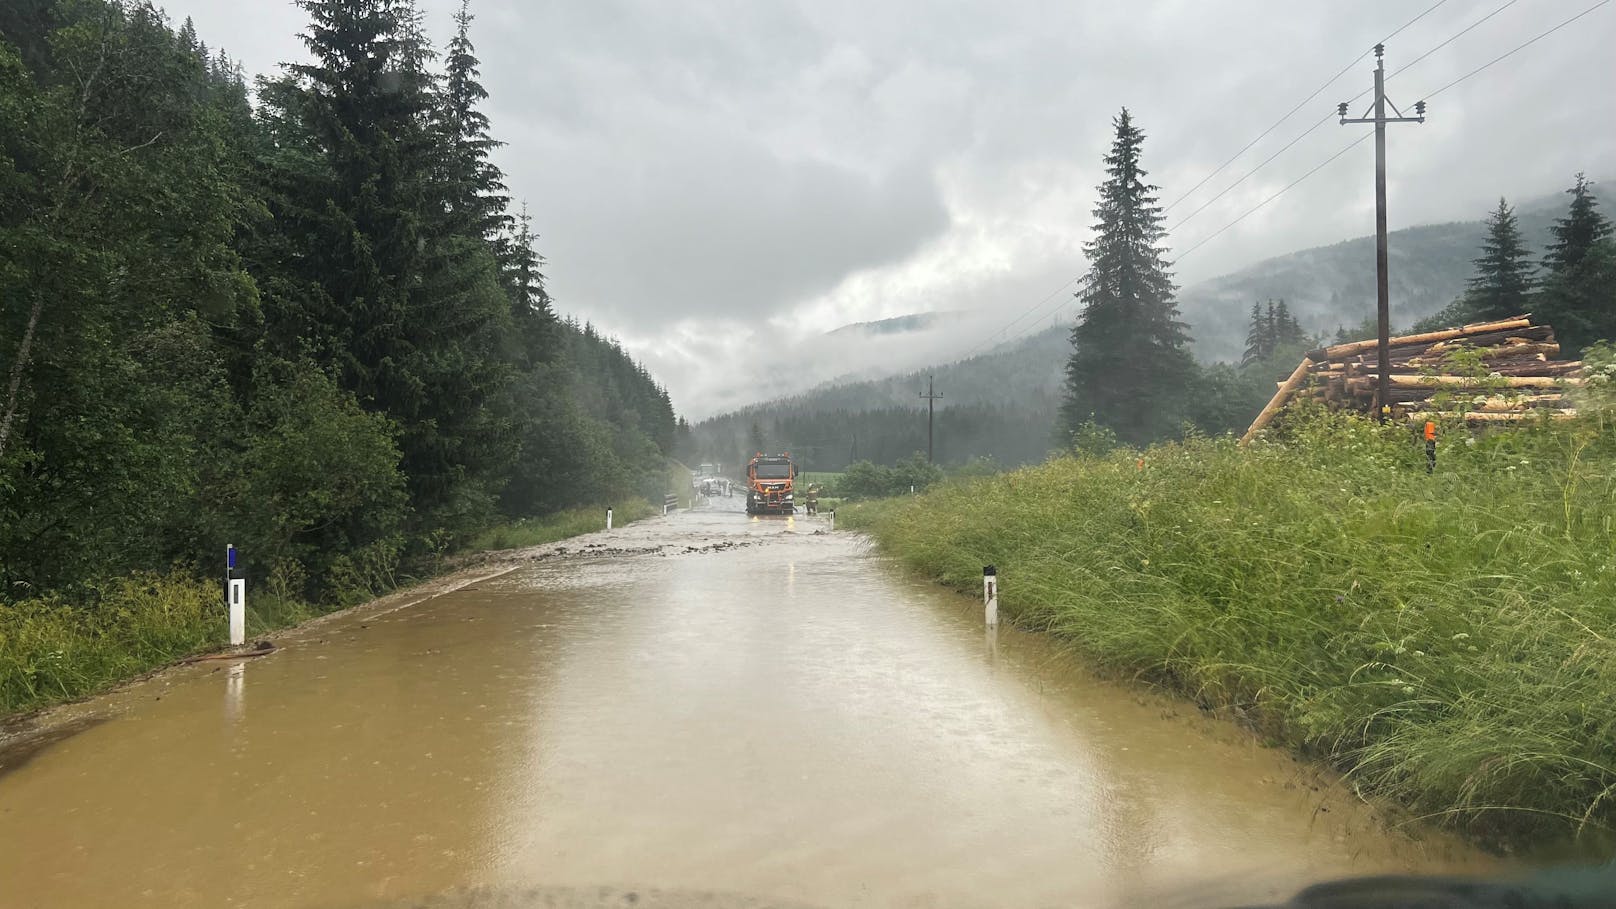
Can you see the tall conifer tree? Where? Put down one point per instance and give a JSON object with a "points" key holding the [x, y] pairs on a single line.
{"points": [[1502, 284], [1258, 333], [405, 299], [1579, 289], [1129, 369], [485, 205]]}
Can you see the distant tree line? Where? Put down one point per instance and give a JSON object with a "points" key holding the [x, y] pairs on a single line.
{"points": [[311, 325], [830, 439]]}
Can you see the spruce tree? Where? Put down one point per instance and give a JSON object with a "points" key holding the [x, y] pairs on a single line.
{"points": [[1129, 369], [1287, 332], [1271, 332], [1257, 335], [1577, 233], [468, 129], [1579, 289], [391, 287], [521, 269], [1502, 284]]}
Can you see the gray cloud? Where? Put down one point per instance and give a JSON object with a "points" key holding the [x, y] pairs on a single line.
{"points": [[687, 236], [708, 175]]}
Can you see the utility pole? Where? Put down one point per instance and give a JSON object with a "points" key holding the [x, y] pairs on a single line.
{"points": [[1382, 284], [931, 404]]}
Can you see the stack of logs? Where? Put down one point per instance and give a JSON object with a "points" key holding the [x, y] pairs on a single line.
{"points": [[1522, 375]]}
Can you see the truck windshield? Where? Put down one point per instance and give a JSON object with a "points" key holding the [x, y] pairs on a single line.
{"points": [[774, 471]]}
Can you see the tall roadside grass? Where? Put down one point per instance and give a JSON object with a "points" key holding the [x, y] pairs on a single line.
{"points": [[1445, 639], [54, 650]]}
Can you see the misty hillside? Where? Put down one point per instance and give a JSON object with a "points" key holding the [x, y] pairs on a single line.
{"points": [[1332, 286], [1000, 404], [919, 321], [1005, 400]]}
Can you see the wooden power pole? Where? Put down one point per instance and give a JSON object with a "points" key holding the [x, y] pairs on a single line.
{"points": [[931, 404], [1382, 284]]}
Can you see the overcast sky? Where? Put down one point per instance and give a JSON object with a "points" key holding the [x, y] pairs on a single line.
{"points": [[719, 183]]}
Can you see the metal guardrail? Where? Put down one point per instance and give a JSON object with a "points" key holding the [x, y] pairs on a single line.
{"points": [[669, 503]]}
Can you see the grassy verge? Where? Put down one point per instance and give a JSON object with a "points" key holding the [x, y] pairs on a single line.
{"points": [[559, 526], [52, 650], [1446, 640]]}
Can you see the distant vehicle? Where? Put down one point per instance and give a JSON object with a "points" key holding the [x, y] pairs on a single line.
{"points": [[769, 484], [708, 480]]}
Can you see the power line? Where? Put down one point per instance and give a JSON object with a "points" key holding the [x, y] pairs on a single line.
{"points": [[1410, 64], [1017, 320], [1430, 9], [1253, 210], [1522, 46], [1451, 38], [1038, 324], [1226, 190], [1287, 115], [1054, 317]]}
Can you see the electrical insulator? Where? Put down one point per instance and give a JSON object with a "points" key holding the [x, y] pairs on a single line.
{"points": [[1342, 109], [1419, 108]]}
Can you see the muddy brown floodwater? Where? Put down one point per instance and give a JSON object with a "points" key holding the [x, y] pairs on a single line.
{"points": [[724, 711]]}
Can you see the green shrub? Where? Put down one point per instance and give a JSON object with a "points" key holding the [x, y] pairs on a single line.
{"points": [[864, 480]]}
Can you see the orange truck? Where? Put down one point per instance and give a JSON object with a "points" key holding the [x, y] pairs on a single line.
{"points": [[769, 484]]}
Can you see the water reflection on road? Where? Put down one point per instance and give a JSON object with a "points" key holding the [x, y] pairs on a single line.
{"points": [[705, 704]]}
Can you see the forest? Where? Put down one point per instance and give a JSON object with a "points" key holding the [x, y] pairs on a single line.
{"points": [[299, 314]]}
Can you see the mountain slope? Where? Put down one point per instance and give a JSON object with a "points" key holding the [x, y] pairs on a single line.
{"points": [[912, 322], [1331, 286]]}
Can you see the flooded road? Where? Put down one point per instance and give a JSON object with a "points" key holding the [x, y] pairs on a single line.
{"points": [[723, 711]]}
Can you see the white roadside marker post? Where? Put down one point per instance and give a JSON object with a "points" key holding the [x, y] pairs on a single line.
{"points": [[608, 518], [235, 597], [990, 595], [833, 519]]}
